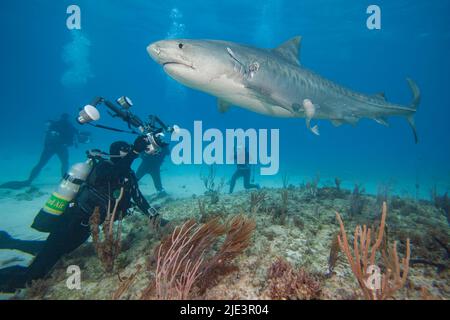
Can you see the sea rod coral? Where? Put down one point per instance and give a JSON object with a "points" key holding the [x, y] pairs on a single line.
{"points": [[186, 259], [109, 248], [363, 260]]}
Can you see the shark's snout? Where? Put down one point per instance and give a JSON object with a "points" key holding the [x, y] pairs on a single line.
{"points": [[169, 54], [154, 50]]}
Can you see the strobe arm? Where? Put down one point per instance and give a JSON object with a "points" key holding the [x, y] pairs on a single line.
{"points": [[125, 115], [96, 101]]}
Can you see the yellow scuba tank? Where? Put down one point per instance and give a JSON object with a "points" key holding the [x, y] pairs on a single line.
{"points": [[64, 194]]}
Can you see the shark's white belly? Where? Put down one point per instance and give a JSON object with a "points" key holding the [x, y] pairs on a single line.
{"points": [[237, 94], [230, 90], [254, 104]]}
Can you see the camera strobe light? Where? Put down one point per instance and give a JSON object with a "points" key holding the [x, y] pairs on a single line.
{"points": [[87, 114], [125, 102]]}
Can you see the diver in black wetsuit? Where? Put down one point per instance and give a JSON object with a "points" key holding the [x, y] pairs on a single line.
{"points": [[151, 164], [59, 136], [243, 170], [73, 229]]}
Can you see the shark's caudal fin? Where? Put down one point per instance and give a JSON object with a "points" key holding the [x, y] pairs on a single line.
{"points": [[415, 103]]}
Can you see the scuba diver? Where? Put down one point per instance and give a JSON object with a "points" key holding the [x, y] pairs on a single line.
{"points": [[154, 128], [59, 136], [72, 228], [151, 164], [243, 170]]}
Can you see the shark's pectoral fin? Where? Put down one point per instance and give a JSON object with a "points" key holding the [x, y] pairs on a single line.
{"points": [[223, 106], [382, 121]]}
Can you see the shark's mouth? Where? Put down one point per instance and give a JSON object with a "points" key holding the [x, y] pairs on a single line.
{"points": [[178, 63]]}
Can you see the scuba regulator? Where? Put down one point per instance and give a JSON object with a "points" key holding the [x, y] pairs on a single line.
{"points": [[154, 129]]}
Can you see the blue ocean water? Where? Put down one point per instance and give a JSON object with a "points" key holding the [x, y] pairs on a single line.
{"points": [[48, 69]]}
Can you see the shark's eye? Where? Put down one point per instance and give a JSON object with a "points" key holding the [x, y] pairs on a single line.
{"points": [[180, 45]]}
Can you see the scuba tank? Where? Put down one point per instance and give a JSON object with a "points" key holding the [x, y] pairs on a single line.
{"points": [[67, 190]]}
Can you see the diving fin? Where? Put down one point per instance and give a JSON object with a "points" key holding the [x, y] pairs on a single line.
{"points": [[5, 240], [15, 185], [32, 247]]}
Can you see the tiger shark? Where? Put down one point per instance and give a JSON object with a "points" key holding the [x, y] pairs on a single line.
{"points": [[272, 82]]}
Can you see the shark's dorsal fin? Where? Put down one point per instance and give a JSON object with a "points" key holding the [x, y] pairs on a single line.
{"points": [[290, 50]]}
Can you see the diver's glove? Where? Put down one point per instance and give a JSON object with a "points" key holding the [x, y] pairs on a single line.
{"points": [[140, 144]]}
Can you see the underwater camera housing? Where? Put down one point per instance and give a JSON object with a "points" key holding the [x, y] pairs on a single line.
{"points": [[153, 129]]}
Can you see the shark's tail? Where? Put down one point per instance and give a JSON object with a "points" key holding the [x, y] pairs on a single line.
{"points": [[415, 103]]}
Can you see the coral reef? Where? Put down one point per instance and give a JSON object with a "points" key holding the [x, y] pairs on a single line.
{"points": [[305, 239], [212, 187], [285, 180], [257, 199], [126, 283], [186, 258], [384, 191], [337, 182], [357, 201], [442, 203], [287, 284], [312, 187], [334, 254]]}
